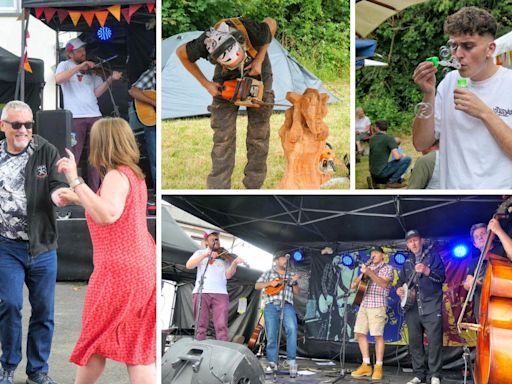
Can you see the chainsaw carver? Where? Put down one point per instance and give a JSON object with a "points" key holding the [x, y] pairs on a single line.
{"points": [[238, 49]]}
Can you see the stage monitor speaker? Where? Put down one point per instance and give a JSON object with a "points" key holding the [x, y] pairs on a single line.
{"points": [[210, 361], [55, 126]]}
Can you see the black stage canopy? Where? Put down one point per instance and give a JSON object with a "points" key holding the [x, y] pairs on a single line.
{"points": [[287, 221]]}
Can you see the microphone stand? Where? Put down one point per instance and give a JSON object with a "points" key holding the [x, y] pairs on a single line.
{"points": [[281, 317], [344, 371], [200, 293], [115, 112]]}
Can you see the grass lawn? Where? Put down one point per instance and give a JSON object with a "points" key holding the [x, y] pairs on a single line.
{"points": [[363, 171], [186, 146]]}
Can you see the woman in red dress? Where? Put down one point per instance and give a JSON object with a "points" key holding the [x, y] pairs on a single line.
{"points": [[119, 315]]}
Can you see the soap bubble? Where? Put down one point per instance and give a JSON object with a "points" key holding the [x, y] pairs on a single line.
{"points": [[423, 110], [444, 53]]}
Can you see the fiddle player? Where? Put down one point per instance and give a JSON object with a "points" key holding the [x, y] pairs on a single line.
{"points": [[215, 300], [479, 234], [425, 316], [372, 312], [278, 277], [81, 90]]}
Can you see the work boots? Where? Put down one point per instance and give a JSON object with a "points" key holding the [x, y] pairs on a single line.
{"points": [[363, 370]]}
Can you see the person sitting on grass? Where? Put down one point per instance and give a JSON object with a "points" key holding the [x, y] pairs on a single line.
{"points": [[381, 146], [425, 174]]}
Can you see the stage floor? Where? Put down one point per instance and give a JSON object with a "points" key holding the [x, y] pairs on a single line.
{"points": [[317, 372]]}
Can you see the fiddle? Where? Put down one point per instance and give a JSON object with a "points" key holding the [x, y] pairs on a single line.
{"points": [[98, 68], [224, 254]]}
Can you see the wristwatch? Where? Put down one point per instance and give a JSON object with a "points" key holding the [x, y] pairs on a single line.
{"points": [[75, 183]]}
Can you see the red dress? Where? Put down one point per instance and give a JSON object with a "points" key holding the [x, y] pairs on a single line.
{"points": [[119, 315]]}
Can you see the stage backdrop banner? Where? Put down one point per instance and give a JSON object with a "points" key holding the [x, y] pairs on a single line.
{"points": [[330, 297]]}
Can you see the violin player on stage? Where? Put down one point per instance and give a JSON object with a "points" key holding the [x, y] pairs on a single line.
{"points": [[285, 285], [424, 274], [81, 90], [372, 312], [215, 299]]}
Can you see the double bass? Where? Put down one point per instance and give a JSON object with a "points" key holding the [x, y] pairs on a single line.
{"points": [[493, 352]]}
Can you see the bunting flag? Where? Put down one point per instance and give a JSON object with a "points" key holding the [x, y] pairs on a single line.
{"points": [[75, 16], [88, 16], [101, 16], [26, 64], [62, 15], [115, 10], [126, 14], [48, 13]]}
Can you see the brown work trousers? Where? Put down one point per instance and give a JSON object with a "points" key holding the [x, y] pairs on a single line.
{"points": [[223, 123]]}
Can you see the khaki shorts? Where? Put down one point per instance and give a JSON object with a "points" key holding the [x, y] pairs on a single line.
{"points": [[373, 319]]}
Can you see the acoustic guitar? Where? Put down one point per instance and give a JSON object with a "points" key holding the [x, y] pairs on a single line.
{"points": [[361, 290], [146, 113], [256, 335]]}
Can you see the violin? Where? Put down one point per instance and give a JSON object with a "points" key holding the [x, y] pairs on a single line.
{"points": [[224, 254], [99, 69]]}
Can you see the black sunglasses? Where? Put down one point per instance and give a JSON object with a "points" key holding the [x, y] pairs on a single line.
{"points": [[18, 124]]}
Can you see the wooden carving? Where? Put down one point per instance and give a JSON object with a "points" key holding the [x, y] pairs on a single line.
{"points": [[303, 136]]}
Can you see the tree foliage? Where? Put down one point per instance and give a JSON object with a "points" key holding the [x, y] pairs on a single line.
{"points": [[404, 41], [316, 32]]}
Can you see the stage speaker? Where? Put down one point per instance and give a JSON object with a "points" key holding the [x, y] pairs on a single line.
{"points": [[210, 361], [55, 126]]}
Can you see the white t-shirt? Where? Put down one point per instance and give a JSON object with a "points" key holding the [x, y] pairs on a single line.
{"points": [[78, 92], [215, 278], [362, 124], [470, 158]]}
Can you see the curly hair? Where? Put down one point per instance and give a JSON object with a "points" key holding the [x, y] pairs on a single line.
{"points": [[470, 21]]}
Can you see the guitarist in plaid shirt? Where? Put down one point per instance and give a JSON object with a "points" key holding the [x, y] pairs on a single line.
{"points": [[272, 311], [372, 312]]}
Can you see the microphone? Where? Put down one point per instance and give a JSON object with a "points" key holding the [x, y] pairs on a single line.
{"points": [[287, 256]]}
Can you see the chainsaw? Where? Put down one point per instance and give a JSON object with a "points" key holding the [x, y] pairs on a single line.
{"points": [[245, 92]]}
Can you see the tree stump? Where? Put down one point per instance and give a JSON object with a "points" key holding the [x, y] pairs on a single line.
{"points": [[303, 137]]}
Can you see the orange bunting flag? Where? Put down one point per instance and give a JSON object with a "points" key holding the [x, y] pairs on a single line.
{"points": [[101, 16], [48, 13], [88, 16], [39, 12], [150, 6], [62, 14], [75, 16], [26, 64], [115, 10]]}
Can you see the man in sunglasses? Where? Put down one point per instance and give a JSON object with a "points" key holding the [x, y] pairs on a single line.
{"points": [[472, 107], [81, 89], [29, 188]]}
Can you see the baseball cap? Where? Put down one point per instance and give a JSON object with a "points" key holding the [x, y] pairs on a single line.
{"points": [[209, 232], [74, 44], [412, 233], [376, 249]]}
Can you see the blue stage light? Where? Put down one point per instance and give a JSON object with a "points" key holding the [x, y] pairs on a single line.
{"points": [[298, 255], [460, 251], [104, 33], [347, 260], [399, 258]]}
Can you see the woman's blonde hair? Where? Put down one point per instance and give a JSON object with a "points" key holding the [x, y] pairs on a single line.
{"points": [[112, 144]]}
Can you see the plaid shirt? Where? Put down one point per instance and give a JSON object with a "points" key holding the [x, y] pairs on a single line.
{"points": [[286, 293], [375, 295], [147, 80]]}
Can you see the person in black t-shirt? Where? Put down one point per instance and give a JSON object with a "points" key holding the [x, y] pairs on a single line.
{"points": [[237, 47]]}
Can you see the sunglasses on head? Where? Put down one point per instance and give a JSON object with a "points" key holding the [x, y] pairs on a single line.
{"points": [[19, 124]]}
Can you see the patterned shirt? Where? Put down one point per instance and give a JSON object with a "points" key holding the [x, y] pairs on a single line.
{"points": [[13, 200], [286, 293], [147, 80], [375, 295]]}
